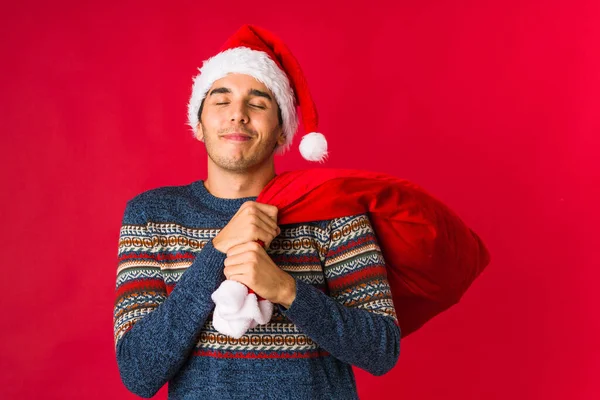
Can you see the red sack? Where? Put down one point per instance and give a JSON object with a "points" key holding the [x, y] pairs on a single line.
{"points": [[432, 257]]}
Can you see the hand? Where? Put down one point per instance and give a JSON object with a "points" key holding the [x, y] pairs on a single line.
{"points": [[253, 221], [249, 263]]}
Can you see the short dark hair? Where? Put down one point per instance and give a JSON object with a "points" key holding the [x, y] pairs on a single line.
{"points": [[202, 106]]}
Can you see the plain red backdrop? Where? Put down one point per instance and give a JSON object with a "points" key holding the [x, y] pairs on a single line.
{"points": [[490, 105]]}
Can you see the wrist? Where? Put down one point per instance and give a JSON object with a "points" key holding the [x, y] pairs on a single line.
{"points": [[218, 245], [288, 293]]}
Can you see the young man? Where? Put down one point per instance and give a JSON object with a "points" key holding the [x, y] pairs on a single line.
{"points": [[327, 279]]}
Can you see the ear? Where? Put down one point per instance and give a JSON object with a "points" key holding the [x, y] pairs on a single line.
{"points": [[199, 132], [281, 139]]}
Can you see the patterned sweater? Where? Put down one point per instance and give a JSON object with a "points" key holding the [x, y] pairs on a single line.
{"points": [[342, 315]]}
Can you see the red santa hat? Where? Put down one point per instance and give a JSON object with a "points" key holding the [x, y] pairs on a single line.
{"points": [[258, 53]]}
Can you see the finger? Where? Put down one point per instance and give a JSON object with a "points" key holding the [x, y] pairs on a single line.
{"points": [[242, 208], [247, 270], [261, 231], [266, 240], [248, 247], [268, 209], [260, 215], [233, 270], [236, 259], [243, 279]]}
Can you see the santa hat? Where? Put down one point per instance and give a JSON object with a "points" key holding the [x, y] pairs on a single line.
{"points": [[258, 53]]}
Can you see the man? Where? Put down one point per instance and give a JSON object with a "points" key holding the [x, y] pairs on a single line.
{"points": [[327, 279]]}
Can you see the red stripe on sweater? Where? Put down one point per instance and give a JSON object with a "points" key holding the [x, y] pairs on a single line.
{"points": [[351, 245], [142, 285]]}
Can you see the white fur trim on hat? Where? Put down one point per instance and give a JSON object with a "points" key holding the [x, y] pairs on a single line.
{"points": [[257, 64]]}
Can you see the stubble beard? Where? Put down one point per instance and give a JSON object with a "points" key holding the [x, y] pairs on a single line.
{"points": [[239, 162]]}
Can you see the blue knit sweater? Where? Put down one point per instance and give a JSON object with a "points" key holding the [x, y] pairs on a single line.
{"points": [[343, 313]]}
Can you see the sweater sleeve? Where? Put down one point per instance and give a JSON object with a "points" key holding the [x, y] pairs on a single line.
{"points": [[356, 320], [155, 332]]}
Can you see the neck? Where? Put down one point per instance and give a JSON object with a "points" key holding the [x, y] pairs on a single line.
{"points": [[234, 185]]}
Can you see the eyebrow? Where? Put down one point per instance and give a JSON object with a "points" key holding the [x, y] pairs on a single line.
{"points": [[219, 90], [251, 92], [259, 93]]}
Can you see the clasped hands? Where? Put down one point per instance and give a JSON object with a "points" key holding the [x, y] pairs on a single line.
{"points": [[247, 261]]}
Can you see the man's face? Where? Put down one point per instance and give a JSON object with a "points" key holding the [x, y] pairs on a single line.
{"points": [[239, 124]]}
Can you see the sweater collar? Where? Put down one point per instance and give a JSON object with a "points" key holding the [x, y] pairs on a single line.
{"points": [[229, 206]]}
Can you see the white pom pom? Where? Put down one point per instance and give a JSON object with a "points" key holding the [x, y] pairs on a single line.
{"points": [[313, 147]]}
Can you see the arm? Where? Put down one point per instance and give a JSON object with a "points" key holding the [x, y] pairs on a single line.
{"points": [[154, 334], [357, 322]]}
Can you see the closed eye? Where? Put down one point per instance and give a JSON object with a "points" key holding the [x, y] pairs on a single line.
{"points": [[220, 104], [258, 106]]}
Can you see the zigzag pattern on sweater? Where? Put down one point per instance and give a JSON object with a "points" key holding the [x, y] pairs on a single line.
{"points": [[362, 260], [364, 293], [135, 273]]}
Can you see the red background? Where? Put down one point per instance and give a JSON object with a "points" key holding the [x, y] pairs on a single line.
{"points": [[490, 105]]}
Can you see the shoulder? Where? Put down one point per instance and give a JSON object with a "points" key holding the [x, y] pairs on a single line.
{"points": [[352, 228], [160, 195], [156, 201], [352, 222]]}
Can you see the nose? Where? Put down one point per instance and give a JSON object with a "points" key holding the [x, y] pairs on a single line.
{"points": [[239, 113]]}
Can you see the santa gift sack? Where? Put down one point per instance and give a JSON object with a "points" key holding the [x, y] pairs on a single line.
{"points": [[431, 256]]}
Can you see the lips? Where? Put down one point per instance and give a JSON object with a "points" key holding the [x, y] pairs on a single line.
{"points": [[237, 137]]}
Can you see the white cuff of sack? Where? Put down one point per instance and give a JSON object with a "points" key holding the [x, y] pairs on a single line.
{"points": [[236, 311]]}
